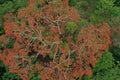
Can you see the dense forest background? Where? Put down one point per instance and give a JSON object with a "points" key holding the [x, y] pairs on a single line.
{"points": [[91, 12]]}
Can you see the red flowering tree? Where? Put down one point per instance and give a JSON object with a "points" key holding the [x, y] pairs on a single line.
{"points": [[49, 42]]}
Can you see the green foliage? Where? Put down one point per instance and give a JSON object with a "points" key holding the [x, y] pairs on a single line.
{"points": [[71, 27], [5, 74], [107, 7], [83, 23], [96, 11], [105, 11], [6, 7], [74, 37], [35, 76], [105, 69], [117, 3], [1, 46], [47, 33], [110, 74], [1, 29], [10, 44], [2, 69], [116, 53], [3, 1], [10, 76], [10, 6], [105, 62], [114, 21], [72, 2], [20, 3]]}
